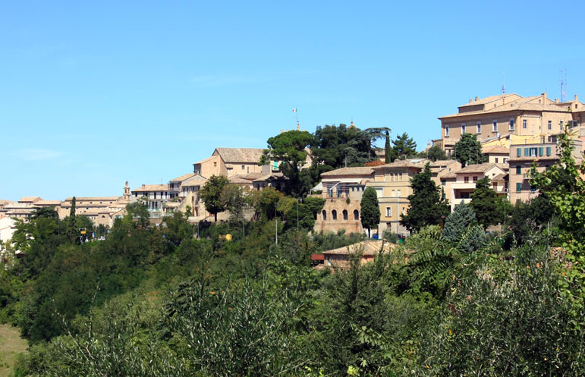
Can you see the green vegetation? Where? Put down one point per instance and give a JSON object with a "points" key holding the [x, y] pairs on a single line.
{"points": [[370, 211], [468, 150], [159, 301], [428, 205]]}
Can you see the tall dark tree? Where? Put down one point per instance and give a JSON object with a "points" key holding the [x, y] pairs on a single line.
{"points": [[72, 231], [468, 150], [211, 194], [290, 148], [428, 205], [387, 149], [337, 146], [484, 203], [404, 147], [370, 210]]}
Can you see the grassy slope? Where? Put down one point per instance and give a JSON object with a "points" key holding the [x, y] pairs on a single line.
{"points": [[10, 344]]}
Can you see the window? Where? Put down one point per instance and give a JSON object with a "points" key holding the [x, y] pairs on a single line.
{"points": [[447, 131], [519, 152], [443, 182], [466, 179], [518, 169], [243, 167], [398, 193], [155, 195], [548, 151], [518, 186], [345, 214], [511, 124], [497, 160], [463, 128], [356, 214], [324, 215], [495, 126], [334, 215], [562, 123], [214, 163], [505, 160], [388, 211], [478, 127], [550, 124], [524, 123], [474, 179]]}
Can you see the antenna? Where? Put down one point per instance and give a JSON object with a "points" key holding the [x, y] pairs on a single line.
{"points": [[563, 85], [296, 111], [504, 82]]}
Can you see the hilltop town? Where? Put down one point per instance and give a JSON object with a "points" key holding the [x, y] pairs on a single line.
{"points": [[515, 133]]}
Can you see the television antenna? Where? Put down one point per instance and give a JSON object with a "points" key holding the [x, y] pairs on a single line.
{"points": [[563, 85]]}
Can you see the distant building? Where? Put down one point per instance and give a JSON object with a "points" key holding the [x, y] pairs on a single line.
{"points": [[154, 196], [509, 114]]}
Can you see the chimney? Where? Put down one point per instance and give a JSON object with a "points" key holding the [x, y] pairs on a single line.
{"points": [[470, 100], [576, 98], [476, 98], [556, 100], [544, 98]]}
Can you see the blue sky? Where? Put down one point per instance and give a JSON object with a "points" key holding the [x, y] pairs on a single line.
{"points": [[96, 93]]}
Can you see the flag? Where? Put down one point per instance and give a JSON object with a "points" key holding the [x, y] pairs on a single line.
{"points": [[294, 110]]}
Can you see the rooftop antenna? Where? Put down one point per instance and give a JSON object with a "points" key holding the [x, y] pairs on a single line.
{"points": [[563, 85], [504, 83]]}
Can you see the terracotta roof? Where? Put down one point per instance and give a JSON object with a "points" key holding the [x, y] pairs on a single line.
{"points": [[93, 198], [450, 175], [477, 168], [412, 163], [440, 163], [510, 102], [183, 177], [235, 155], [496, 149], [4, 202], [48, 203], [206, 159], [150, 188], [31, 199], [273, 176], [196, 180], [360, 171], [370, 247]]}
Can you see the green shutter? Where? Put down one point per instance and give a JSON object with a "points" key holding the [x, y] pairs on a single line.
{"points": [[518, 169], [540, 151], [548, 151], [519, 150], [518, 187], [526, 152]]}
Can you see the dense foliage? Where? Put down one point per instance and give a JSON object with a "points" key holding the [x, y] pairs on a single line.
{"points": [[468, 150]]}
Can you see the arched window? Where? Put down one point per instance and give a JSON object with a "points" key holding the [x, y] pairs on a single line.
{"points": [[334, 215], [356, 214], [324, 214], [345, 214]]}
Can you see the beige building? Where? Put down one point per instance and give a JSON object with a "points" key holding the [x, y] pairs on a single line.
{"points": [[230, 162], [509, 114], [524, 156], [392, 185], [466, 178], [342, 190], [154, 196]]}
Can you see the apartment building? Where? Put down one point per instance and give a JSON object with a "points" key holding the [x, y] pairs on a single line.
{"points": [[509, 114], [154, 197], [467, 177]]}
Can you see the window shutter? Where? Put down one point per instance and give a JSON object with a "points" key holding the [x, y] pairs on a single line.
{"points": [[548, 151], [526, 152], [519, 150], [518, 187], [540, 151]]}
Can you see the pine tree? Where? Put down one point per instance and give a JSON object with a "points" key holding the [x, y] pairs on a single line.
{"points": [[370, 210], [428, 204], [484, 203], [458, 222], [387, 149]]}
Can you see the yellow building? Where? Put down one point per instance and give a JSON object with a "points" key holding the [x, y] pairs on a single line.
{"points": [[523, 118]]}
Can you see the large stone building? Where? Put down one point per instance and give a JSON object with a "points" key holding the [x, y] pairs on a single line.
{"points": [[509, 114], [342, 190]]}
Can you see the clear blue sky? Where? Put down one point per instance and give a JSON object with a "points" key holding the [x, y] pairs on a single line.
{"points": [[94, 93]]}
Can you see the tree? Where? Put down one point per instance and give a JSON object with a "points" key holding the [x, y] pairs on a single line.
{"points": [[234, 199], [290, 148], [468, 150], [370, 210], [458, 222], [404, 147], [428, 204], [435, 153], [72, 228], [376, 133], [484, 203], [387, 149], [211, 194]]}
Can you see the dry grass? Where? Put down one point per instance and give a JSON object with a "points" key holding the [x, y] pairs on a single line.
{"points": [[10, 344]]}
